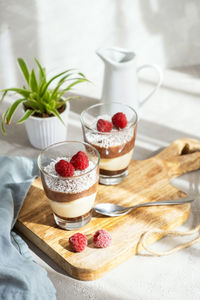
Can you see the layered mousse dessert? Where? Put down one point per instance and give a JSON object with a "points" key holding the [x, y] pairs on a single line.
{"points": [[70, 183], [114, 138]]}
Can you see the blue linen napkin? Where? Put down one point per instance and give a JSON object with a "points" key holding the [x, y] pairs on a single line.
{"points": [[20, 277]]}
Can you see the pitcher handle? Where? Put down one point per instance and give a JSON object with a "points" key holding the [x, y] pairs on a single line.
{"points": [[160, 79]]}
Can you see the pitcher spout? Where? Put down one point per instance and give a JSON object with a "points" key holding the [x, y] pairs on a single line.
{"points": [[115, 56], [100, 53]]}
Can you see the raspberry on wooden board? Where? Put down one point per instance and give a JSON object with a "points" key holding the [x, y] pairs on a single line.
{"points": [[102, 238], [78, 242]]}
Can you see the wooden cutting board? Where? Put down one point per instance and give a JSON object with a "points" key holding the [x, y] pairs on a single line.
{"points": [[148, 180]]}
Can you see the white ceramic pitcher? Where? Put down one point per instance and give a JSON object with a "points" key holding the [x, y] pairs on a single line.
{"points": [[120, 77]]}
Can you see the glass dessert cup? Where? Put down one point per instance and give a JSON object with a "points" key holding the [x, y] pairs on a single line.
{"points": [[71, 198], [115, 147]]}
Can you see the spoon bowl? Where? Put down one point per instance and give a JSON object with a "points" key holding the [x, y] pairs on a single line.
{"points": [[113, 210]]}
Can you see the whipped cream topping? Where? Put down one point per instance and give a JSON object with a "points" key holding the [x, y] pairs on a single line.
{"points": [[73, 184]]}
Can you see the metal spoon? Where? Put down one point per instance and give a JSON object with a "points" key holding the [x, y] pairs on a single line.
{"points": [[113, 210]]}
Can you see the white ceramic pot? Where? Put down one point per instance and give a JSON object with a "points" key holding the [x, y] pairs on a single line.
{"points": [[43, 132]]}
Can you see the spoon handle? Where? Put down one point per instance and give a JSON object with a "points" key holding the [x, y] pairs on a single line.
{"points": [[169, 202]]}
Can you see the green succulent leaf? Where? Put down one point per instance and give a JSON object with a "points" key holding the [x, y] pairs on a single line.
{"points": [[71, 85], [35, 105], [52, 79], [33, 82], [70, 98], [41, 71], [60, 83], [24, 69], [75, 83], [82, 75], [56, 113], [3, 117], [3, 95], [64, 78], [22, 92], [12, 109], [27, 114]]}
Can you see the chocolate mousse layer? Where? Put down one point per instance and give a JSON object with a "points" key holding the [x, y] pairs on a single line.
{"points": [[111, 173], [66, 197], [76, 219], [115, 151]]}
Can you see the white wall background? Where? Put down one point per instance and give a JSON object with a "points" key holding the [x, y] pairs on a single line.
{"points": [[65, 33]]}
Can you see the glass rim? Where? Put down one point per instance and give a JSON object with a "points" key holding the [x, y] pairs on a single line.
{"points": [[105, 104], [71, 177]]}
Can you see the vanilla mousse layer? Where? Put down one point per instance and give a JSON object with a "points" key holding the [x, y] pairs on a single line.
{"points": [[117, 163], [75, 208]]}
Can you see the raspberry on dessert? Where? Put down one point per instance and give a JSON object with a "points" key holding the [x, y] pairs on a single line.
{"points": [[78, 242], [104, 126], [102, 238], [64, 168], [119, 120], [80, 161]]}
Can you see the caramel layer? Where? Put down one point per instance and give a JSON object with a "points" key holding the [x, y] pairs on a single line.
{"points": [[111, 173], [77, 219]]}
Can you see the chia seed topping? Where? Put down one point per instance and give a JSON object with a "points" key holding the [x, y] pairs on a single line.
{"points": [[73, 184]]}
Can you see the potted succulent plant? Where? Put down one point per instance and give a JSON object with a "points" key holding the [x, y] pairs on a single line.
{"points": [[45, 108]]}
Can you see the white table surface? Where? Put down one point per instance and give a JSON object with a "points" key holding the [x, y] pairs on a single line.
{"points": [[171, 114]]}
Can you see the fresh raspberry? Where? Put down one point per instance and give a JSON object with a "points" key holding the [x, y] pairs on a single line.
{"points": [[104, 126], [78, 242], [64, 168], [102, 238], [119, 120], [80, 161]]}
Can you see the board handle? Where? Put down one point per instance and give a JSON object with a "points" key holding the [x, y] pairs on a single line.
{"points": [[181, 156]]}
